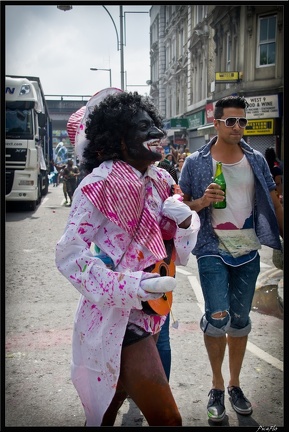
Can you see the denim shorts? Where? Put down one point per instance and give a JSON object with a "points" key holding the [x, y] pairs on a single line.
{"points": [[230, 289]]}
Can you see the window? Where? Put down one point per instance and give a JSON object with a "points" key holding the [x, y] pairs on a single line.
{"points": [[155, 71], [200, 12], [181, 42], [173, 49], [267, 41], [228, 55], [155, 32], [168, 55], [168, 13], [19, 123]]}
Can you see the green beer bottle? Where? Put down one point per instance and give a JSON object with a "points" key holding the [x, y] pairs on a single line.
{"points": [[220, 180]]}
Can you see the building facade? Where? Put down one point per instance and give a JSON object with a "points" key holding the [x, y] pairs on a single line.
{"points": [[200, 53]]}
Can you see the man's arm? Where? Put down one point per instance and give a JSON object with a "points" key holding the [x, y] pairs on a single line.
{"points": [[278, 211], [196, 205]]}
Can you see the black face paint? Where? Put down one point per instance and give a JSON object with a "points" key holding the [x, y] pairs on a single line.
{"points": [[143, 138]]}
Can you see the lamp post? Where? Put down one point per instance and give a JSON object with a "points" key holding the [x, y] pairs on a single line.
{"points": [[120, 40], [108, 70], [121, 45]]}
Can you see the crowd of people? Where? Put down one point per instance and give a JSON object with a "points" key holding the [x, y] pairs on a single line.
{"points": [[127, 230], [173, 161]]}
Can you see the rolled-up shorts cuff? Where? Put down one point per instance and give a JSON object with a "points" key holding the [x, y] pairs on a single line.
{"points": [[210, 330]]}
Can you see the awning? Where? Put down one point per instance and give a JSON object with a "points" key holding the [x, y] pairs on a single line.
{"points": [[207, 126]]}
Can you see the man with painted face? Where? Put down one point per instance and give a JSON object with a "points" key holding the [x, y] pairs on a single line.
{"points": [[112, 240]]}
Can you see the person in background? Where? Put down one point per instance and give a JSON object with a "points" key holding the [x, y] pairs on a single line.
{"points": [[119, 208], [82, 172], [71, 178], [61, 154], [187, 152], [67, 186], [276, 171], [169, 158], [228, 243], [166, 164], [53, 173], [163, 343], [69, 174], [174, 153], [182, 156], [62, 177], [179, 166]]}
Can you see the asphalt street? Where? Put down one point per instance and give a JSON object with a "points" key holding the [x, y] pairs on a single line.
{"points": [[39, 309]]}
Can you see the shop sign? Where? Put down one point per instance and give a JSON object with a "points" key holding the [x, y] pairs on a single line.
{"points": [[195, 120], [179, 123], [260, 127], [176, 123], [226, 77], [210, 112], [262, 107]]}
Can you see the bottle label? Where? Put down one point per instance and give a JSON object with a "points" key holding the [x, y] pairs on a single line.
{"points": [[220, 180]]}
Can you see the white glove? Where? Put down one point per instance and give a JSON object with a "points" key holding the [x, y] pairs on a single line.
{"points": [[160, 284], [176, 210], [145, 295]]}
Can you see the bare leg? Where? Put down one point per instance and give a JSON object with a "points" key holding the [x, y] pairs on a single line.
{"points": [[237, 348], [143, 377], [117, 401], [216, 347]]}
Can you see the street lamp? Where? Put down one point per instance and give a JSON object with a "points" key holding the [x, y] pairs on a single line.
{"points": [[64, 7], [120, 40], [108, 70]]}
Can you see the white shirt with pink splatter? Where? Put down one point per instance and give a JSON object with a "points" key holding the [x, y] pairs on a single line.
{"points": [[109, 299]]}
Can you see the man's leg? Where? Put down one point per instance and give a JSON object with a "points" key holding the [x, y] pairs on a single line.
{"points": [[242, 286], [117, 401], [237, 348], [143, 378], [216, 347], [65, 190]]}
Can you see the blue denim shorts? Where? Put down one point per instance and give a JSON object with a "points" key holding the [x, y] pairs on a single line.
{"points": [[230, 289]]}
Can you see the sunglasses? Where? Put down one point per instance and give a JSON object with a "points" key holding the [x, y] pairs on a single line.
{"points": [[231, 121]]}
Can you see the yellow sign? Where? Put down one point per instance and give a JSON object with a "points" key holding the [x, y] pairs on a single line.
{"points": [[259, 127], [227, 76]]}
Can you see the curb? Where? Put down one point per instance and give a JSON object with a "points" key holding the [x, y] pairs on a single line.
{"points": [[272, 277]]}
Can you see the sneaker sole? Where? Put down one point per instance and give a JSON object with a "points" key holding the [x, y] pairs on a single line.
{"points": [[216, 419], [248, 412]]}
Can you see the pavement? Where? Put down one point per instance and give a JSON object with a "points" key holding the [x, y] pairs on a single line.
{"points": [[39, 309]]}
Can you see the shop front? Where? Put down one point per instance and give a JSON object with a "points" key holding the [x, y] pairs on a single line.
{"points": [[176, 130], [195, 121], [264, 126]]}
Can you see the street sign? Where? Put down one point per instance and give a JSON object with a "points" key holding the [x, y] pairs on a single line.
{"points": [[260, 127], [227, 77]]}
